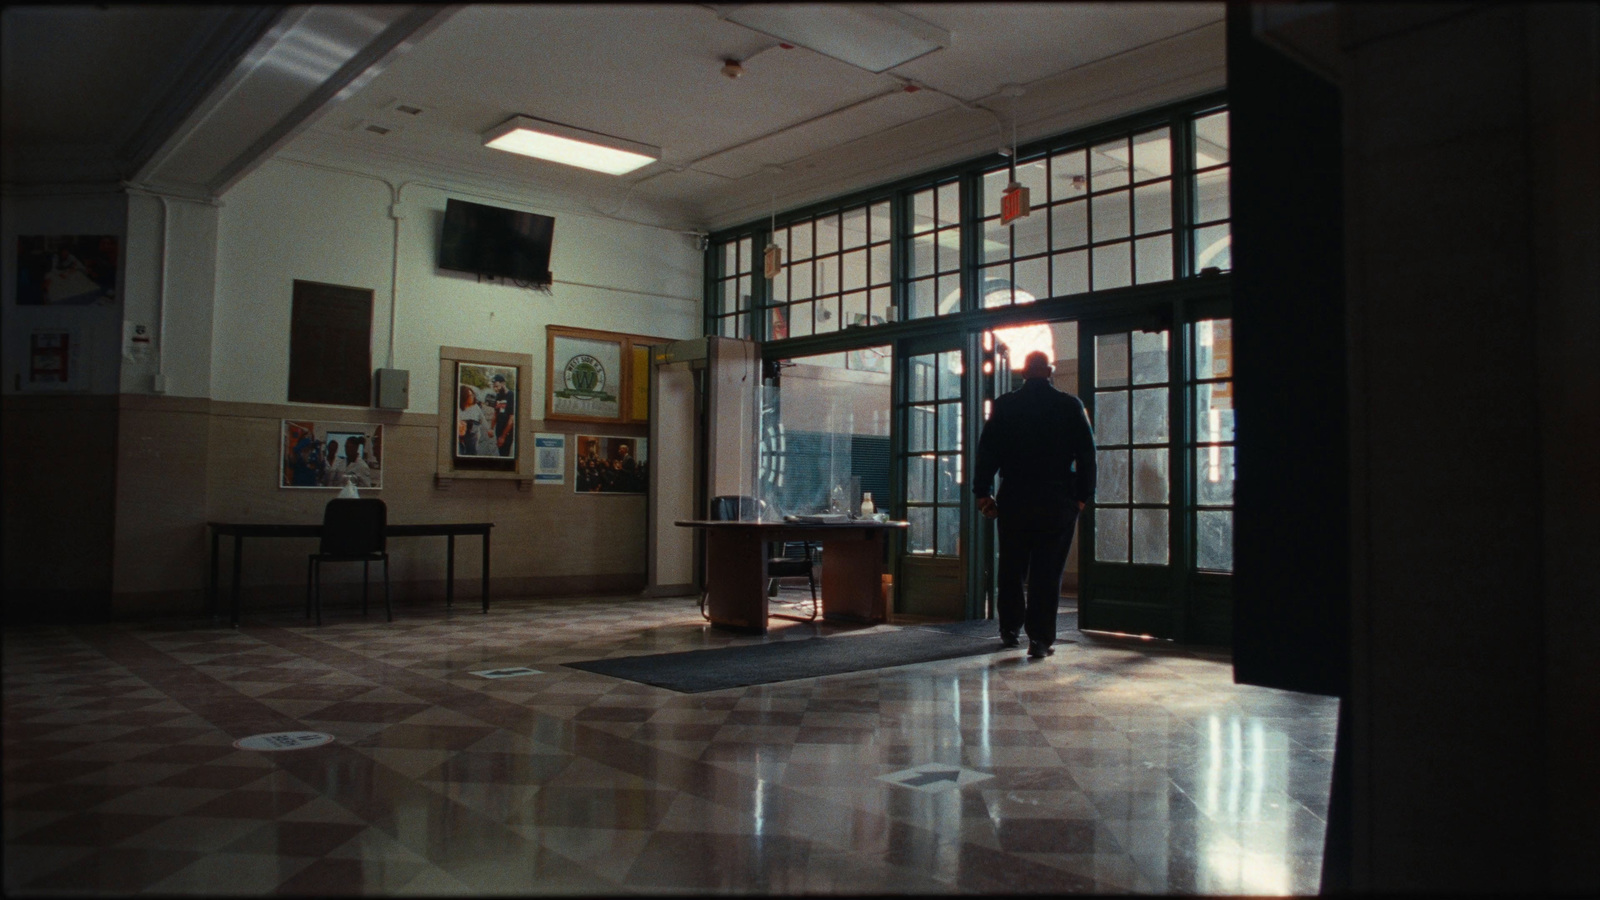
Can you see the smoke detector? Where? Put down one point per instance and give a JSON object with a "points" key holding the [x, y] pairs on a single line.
{"points": [[732, 68]]}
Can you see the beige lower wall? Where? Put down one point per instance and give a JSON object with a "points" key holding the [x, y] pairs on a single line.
{"points": [[116, 502]]}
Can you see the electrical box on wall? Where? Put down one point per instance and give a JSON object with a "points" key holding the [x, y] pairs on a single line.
{"points": [[394, 389]]}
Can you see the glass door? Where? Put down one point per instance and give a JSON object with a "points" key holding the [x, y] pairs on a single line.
{"points": [[931, 465], [1129, 532]]}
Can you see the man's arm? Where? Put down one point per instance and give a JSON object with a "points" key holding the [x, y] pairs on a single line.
{"points": [[1084, 452], [988, 462]]}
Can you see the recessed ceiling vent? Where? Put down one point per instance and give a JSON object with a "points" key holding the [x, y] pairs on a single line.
{"points": [[406, 107], [376, 128]]}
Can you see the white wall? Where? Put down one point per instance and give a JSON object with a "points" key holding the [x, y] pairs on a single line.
{"points": [[99, 327], [291, 221], [171, 270]]}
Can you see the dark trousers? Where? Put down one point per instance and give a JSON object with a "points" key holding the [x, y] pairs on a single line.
{"points": [[1037, 557]]}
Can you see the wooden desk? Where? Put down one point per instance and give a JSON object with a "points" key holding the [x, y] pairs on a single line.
{"points": [[242, 530], [736, 569]]}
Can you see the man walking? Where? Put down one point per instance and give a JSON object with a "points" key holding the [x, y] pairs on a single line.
{"points": [[1039, 440]]}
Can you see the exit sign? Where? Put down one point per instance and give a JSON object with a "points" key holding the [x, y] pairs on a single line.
{"points": [[1014, 203]]}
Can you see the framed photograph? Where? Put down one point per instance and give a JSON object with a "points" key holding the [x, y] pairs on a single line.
{"points": [[597, 376], [610, 465], [486, 411], [328, 454], [66, 270]]}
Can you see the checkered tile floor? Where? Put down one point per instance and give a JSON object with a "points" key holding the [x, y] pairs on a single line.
{"points": [[1108, 767]]}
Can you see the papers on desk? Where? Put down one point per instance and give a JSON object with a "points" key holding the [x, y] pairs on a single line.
{"points": [[820, 519]]}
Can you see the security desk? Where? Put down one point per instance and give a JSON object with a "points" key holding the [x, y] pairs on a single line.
{"points": [[242, 530], [736, 568]]}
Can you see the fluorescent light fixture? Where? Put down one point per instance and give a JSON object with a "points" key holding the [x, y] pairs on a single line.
{"points": [[870, 36], [570, 146]]}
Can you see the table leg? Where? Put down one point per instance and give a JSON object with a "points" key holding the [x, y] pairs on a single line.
{"points": [[211, 591], [238, 566], [486, 571], [449, 570]]}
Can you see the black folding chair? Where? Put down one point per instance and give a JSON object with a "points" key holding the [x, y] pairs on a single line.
{"points": [[353, 530], [793, 559]]}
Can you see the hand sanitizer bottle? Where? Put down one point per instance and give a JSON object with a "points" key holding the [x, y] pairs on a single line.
{"points": [[867, 509]]}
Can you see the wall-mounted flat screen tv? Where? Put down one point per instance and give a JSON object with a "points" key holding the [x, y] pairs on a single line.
{"points": [[489, 240]]}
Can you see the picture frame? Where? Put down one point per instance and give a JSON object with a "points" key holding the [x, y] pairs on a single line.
{"points": [[324, 455], [610, 464], [476, 368], [486, 413], [67, 270], [597, 376]]}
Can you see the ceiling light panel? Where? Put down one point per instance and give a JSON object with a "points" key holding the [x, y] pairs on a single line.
{"points": [[870, 36], [570, 146]]}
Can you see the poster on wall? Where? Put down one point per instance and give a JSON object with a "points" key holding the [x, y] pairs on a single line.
{"points": [[329, 454], [610, 465], [486, 411], [549, 458], [55, 360], [66, 270], [586, 377]]}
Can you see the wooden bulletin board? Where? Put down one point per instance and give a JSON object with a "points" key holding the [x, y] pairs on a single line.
{"points": [[597, 376]]}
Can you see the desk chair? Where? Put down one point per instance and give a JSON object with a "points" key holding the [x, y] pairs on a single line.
{"points": [[353, 530], [793, 559]]}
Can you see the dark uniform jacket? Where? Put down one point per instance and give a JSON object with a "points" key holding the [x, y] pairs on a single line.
{"points": [[1032, 439]]}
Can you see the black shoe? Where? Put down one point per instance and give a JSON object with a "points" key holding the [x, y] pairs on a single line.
{"points": [[1008, 639], [1037, 650]]}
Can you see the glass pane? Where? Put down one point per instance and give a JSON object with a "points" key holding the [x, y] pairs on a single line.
{"points": [[995, 282], [1150, 357], [853, 231], [1150, 413], [921, 368], [727, 296], [800, 287], [994, 184], [880, 221], [1069, 273], [949, 249], [1069, 225], [827, 313], [879, 268], [1112, 266], [920, 536], [1110, 360], [1029, 233], [922, 255], [778, 323], [827, 235], [828, 275], [1068, 177], [800, 320], [853, 309], [1212, 248], [949, 537], [1152, 154], [1031, 175], [950, 375], [919, 480], [919, 430], [1111, 476], [1153, 259], [730, 258], [949, 291], [744, 292], [923, 303], [854, 270], [728, 327], [1108, 164], [1211, 140], [1111, 216], [922, 211], [1211, 196], [779, 292], [879, 298], [996, 241], [745, 245], [949, 426], [1214, 540], [1213, 476], [1213, 412], [1110, 535], [800, 240], [1032, 278], [1152, 207], [1150, 482], [950, 203], [1213, 340], [1150, 537], [1110, 417], [949, 477]]}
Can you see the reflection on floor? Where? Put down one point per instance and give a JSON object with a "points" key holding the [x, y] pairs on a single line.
{"points": [[1109, 767]]}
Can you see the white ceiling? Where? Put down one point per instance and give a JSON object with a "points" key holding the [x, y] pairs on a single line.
{"points": [[190, 99]]}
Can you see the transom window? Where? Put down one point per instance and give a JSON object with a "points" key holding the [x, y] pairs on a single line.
{"points": [[1210, 237], [933, 252], [733, 290], [836, 273]]}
